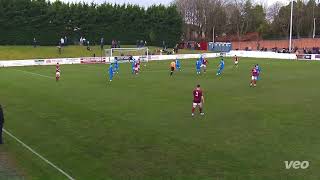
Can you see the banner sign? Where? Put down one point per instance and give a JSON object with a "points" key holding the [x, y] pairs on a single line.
{"points": [[39, 61], [123, 58], [317, 57], [54, 61], [307, 56], [93, 60], [304, 56]]}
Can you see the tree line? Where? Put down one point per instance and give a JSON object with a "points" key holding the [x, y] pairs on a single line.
{"points": [[23, 20], [238, 17]]}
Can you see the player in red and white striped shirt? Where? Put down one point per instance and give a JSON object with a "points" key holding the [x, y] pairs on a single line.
{"points": [[57, 72], [254, 76]]}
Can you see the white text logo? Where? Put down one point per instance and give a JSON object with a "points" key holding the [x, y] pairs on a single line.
{"points": [[296, 164]]}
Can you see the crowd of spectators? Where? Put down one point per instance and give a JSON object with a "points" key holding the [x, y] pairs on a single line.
{"points": [[192, 45], [314, 50]]}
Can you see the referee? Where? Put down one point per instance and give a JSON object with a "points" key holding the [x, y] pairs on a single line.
{"points": [[1, 124]]}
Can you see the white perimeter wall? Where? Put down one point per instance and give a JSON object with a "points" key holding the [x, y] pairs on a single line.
{"points": [[92, 60]]}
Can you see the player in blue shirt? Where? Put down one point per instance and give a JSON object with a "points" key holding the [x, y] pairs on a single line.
{"points": [[178, 67], [221, 67], [198, 66], [110, 72], [258, 70], [116, 65], [132, 65]]}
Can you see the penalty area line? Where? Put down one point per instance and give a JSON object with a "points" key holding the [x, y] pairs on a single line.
{"points": [[37, 154], [36, 74]]}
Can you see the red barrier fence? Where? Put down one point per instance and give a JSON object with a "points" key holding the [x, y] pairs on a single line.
{"points": [[307, 43]]}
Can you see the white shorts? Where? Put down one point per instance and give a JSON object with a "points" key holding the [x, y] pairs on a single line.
{"points": [[236, 62], [57, 74], [254, 77], [136, 68], [203, 65], [196, 104]]}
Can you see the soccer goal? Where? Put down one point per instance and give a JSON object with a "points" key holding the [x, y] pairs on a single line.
{"points": [[124, 54]]}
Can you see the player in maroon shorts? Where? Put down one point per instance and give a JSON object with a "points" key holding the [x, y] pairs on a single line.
{"points": [[198, 99], [204, 64], [254, 76], [57, 72], [136, 67], [139, 62]]}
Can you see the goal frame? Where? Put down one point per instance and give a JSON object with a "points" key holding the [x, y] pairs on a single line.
{"points": [[111, 50]]}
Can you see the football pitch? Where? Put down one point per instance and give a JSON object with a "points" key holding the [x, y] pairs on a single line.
{"points": [[140, 127]]}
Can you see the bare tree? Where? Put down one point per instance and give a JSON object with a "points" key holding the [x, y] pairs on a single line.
{"points": [[224, 16], [273, 11], [204, 15]]}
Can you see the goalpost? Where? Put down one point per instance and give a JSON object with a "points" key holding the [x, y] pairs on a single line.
{"points": [[124, 54]]}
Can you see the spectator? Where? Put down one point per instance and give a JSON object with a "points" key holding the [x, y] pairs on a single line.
{"points": [[59, 47], [34, 42], [62, 41], [88, 46], [113, 44], [176, 48], [65, 40], [102, 43], [81, 41], [84, 41], [164, 45]]}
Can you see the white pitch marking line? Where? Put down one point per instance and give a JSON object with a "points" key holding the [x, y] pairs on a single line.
{"points": [[28, 72], [41, 157]]}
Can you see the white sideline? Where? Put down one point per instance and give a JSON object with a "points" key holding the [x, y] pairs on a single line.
{"points": [[34, 73], [41, 157]]}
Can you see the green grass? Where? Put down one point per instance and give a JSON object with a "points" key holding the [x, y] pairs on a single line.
{"points": [[29, 52], [140, 128]]}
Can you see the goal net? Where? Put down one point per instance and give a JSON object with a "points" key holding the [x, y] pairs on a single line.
{"points": [[124, 54]]}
